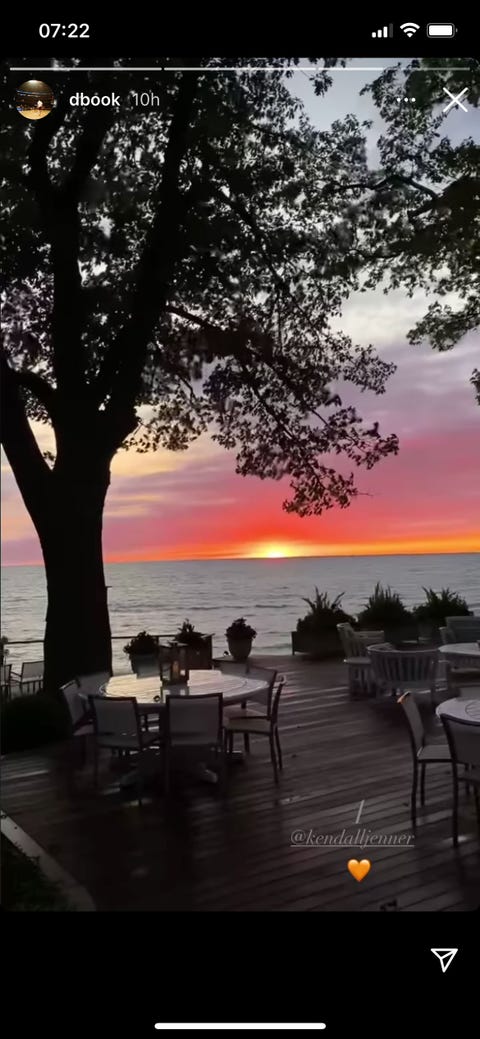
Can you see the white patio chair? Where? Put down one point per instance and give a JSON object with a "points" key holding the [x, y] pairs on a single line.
{"points": [[78, 709], [423, 753], [116, 725], [463, 629], [229, 666], [357, 661], [459, 674], [405, 671], [30, 679], [5, 676], [469, 692], [266, 725], [194, 724], [461, 678], [259, 704], [464, 743], [80, 717], [89, 685]]}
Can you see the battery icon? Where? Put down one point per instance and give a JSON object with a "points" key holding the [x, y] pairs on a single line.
{"points": [[441, 30]]}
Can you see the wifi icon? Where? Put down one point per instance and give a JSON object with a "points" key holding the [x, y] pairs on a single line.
{"points": [[409, 28]]}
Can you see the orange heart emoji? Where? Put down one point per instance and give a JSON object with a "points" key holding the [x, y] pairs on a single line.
{"points": [[358, 869]]}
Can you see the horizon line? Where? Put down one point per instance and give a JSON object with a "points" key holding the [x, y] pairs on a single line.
{"points": [[266, 559]]}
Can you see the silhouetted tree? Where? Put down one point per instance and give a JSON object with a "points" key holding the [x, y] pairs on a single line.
{"points": [[426, 200], [171, 271]]}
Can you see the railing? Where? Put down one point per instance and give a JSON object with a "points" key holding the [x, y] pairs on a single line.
{"points": [[36, 642], [125, 637], [198, 656]]}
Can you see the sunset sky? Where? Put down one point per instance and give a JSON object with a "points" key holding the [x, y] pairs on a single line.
{"points": [[427, 499]]}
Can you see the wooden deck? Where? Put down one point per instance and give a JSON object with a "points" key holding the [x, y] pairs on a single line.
{"points": [[202, 852]]}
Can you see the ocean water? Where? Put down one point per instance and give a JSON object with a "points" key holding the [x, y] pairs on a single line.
{"points": [[211, 593]]}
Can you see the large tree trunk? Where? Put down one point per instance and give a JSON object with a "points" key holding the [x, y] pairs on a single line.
{"points": [[66, 506], [77, 635]]}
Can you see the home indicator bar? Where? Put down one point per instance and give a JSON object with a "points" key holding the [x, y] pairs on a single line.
{"points": [[238, 1027]]}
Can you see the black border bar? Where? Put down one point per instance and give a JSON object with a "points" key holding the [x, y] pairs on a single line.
{"points": [[228, 32]]}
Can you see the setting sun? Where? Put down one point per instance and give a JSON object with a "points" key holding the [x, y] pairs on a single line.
{"points": [[272, 552]]}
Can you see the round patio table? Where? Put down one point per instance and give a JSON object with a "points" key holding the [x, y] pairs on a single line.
{"points": [[461, 709], [461, 654], [150, 695]]}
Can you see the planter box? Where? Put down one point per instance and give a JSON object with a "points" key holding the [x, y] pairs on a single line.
{"points": [[145, 664], [429, 631], [239, 649], [317, 644], [199, 658], [397, 634]]}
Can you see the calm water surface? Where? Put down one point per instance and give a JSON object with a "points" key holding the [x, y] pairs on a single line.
{"points": [[212, 593]]}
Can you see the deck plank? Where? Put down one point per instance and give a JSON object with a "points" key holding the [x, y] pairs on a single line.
{"points": [[202, 852]]}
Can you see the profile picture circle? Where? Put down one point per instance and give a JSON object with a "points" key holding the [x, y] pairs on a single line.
{"points": [[34, 99]]}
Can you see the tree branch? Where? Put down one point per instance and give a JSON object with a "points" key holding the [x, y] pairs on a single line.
{"points": [[61, 221], [220, 340], [416, 184], [38, 178], [218, 336], [121, 371], [393, 178], [29, 467], [38, 386], [96, 125], [68, 366]]}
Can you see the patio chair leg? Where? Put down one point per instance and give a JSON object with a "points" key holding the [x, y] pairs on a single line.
{"points": [[422, 783], [222, 774], [477, 804], [455, 812], [414, 797], [166, 771], [78, 757], [95, 768], [273, 757], [467, 785], [230, 743], [279, 749], [246, 742]]}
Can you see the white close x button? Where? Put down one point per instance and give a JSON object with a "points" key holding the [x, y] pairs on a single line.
{"points": [[455, 99]]}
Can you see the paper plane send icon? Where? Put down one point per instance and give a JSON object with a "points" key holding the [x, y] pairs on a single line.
{"points": [[445, 956]]}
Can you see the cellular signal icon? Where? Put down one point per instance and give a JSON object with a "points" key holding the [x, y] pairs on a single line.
{"points": [[383, 34]]}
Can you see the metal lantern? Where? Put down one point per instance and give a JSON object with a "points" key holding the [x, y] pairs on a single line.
{"points": [[164, 664], [177, 672]]}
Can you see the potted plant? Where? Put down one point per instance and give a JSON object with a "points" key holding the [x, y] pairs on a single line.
{"points": [[317, 633], [199, 646], [143, 651], [431, 614], [385, 610], [240, 636]]}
